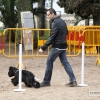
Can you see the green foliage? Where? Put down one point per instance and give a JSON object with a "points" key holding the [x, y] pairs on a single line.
{"points": [[9, 13], [1, 30], [83, 8], [44, 36]]}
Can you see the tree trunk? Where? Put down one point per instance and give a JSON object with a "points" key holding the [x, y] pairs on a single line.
{"points": [[41, 17], [86, 22], [96, 20]]}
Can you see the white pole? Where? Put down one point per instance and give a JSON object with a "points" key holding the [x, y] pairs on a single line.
{"points": [[82, 69], [20, 70]]}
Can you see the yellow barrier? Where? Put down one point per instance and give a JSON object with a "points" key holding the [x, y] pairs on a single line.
{"points": [[2, 38], [11, 48], [38, 37]]}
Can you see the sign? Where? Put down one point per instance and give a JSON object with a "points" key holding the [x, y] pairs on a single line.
{"points": [[27, 22]]}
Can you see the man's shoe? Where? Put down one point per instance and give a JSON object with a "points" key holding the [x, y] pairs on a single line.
{"points": [[44, 84], [72, 84]]}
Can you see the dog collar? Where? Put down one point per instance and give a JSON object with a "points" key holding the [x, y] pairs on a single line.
{"points": [[16, 71]]}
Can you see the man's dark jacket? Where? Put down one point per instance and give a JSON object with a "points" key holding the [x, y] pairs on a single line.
{"points": [[58, 34]]}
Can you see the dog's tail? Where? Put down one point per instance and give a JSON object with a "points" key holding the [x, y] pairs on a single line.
{"points": [[36, 79]]}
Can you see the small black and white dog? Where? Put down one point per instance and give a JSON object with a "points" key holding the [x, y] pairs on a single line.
{"points": [[27, 77]]}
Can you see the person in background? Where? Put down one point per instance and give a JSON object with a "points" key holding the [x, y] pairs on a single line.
{"points": [[57, 40]]}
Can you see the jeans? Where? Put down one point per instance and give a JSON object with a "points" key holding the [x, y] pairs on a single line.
{"points": [[54, 53]]}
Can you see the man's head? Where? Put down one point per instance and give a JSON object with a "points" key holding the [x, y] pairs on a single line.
{"points": [[51, 14]]}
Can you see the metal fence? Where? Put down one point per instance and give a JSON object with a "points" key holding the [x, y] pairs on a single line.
{"points": [[32, 39]]}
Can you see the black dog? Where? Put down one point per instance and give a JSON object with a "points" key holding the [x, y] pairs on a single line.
{"points": [[27, 77]]}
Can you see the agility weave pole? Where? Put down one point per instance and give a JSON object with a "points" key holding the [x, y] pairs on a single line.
{"points": [[20, 70], [82, 68]]}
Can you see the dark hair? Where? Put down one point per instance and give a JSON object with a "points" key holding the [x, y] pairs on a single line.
{"points": [[51, 10]]}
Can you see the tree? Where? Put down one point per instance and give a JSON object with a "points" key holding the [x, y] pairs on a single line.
{"points": [[40, 12], [41, 17], [9, 13], [83, 8]]}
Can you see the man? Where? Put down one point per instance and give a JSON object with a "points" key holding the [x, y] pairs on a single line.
{"points": [[57, 39]]}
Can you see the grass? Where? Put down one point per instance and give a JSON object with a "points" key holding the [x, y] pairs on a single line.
{"points": [[43, 35], [1, 30]]}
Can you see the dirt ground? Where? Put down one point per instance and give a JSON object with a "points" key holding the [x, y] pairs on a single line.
{"points": [[57, 90]]}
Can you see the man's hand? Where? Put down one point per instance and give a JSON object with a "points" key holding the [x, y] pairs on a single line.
{"points": [[40, 50]]}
